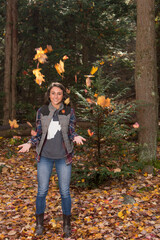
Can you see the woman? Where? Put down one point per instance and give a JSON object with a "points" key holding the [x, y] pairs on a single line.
{"points": [[54, 136]]}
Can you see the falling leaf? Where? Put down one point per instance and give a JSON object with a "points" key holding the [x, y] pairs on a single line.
{"points": [[65, 57], [96, 95], [88, 82], [60, 67], [29, 124], [40, 56], [101, 63], [107, 103], [39, 76], [49, 48], [67, 101], [136, 125], [13, 124], [103, 102], [90, 133], [93, 70]]}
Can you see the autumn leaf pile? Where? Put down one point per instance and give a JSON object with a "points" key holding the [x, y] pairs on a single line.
{"points": [[96, 214]]}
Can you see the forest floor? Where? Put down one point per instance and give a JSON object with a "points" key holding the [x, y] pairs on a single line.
{"points": [[100, 213]]}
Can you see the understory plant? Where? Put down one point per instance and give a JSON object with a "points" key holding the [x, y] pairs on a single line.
{"points": [[109, 117]]}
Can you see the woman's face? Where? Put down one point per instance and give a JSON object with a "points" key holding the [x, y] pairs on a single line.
{"points": [[56, 96]]}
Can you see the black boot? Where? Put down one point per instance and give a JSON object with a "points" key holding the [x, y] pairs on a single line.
{"points": [[67, 225], [39, 223]]}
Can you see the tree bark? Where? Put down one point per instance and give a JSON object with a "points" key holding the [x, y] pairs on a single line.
{"points": [[146, 81], [14, 58], [7, 65], [11, 51]]}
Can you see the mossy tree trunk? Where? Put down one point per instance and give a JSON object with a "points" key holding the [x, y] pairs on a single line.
{"points": [[146, 81]]}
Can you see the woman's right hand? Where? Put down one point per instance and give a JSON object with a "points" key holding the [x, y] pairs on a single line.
{"points": [[24, 147]]}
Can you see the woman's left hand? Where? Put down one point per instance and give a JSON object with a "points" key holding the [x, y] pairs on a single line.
{"points": [[79, 140]]}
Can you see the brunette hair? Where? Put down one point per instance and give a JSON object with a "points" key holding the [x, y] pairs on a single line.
{"points": [[55, 84]]}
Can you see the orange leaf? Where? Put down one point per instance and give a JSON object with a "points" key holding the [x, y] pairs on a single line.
{"points": [[39, 76], [90, 133], [136, 125], [13, 124], [65, 57], [107, 102], [93, 70], [60, 67], [103, 102], [49, 48], [40, 56]]}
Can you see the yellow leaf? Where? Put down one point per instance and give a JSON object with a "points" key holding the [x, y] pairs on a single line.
{"points": [[67, 101], [40, 56], [60, 67], [13, 124], [83, 180], [120, 215], [65, 57], [93, 70], [39, 76]]}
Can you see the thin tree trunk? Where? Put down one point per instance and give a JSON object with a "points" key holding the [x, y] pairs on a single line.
{"points": [[14, 57], [7, 65], [146, 81]]}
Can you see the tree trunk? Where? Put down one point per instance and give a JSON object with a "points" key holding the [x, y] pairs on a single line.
{"points": [[7, 65], [146, 81], [14, 58], [10, 71]]}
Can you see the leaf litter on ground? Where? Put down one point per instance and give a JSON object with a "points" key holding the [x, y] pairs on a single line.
{"points": [[127, 209]]}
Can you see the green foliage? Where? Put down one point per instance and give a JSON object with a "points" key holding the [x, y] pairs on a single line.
{"points": [[111, 125], [85, 176]]}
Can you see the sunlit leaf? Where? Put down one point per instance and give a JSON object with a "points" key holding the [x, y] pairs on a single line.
{"points": [[60, 67], [93, 70], [103, 102], [13, 124], [65, 57], [90, 133], [67, 101], [40, 56], [39, 76], [136, 125]]}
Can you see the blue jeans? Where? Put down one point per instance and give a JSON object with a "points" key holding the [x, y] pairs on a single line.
{"points": [[44, 170]]}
